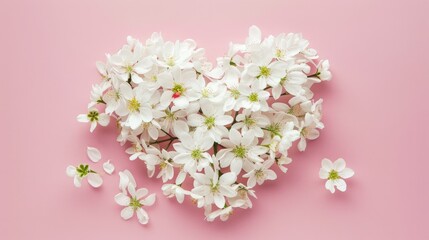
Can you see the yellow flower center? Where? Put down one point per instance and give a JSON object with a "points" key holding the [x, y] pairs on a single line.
{"points": [[253, 97], [264, 71], [133, 105], [333, 175]]}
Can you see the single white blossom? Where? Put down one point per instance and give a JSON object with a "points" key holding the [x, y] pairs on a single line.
{"points": [[81, 172], [134, 201], [94, 117], [335, 173]]}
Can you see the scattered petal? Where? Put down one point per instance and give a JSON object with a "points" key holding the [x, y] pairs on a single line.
{"points": [[93, 154], [108, 167]]}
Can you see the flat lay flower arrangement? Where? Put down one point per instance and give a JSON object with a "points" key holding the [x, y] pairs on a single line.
{"points": [[209, 133]]}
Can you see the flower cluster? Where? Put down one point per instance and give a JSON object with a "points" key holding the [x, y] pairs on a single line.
{"points": [[211, 133]]}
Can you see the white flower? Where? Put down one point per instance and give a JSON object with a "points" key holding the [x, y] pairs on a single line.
{"points": [[94, 117], [335, 173], [240, 151], [252, 98], [292, 81], [174, 120], [283, 160], [260, 173], [163, 159], [192, 152], [93, 154], [97, 93], [81, 172], [174, 190], [308, 130], [323, 72], [128, 64], [288, 135], [177, 54], [212, 122], [251, 121], [222, 213], [242, 199], [136, 106], [179, 87], [263, 71], [213, 188], [108, 167], [134, 202]]}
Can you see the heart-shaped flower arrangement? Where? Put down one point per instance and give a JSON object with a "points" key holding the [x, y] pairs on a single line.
{"points": [[210, 133]]}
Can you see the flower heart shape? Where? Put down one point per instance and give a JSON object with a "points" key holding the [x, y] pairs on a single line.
{"points": [[211, 133]]}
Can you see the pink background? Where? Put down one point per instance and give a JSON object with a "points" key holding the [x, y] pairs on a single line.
{"points": [[375, 117]]}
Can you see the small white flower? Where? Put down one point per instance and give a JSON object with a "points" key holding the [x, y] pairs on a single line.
{"points": [[97, 93], [192, 152], [263, 71], [179, 87], [173, 190], [136, 106], [252, 98], [240, 151], [128, 64], [94, 117], [93, 154], [163, 159], [323, 71], [335, 173], [283, 160], [213, 188], [251, 121], [108, 167], [222, 213], [81, 172], [134, 202], [260, 173], [212, 121], [308, 130]]}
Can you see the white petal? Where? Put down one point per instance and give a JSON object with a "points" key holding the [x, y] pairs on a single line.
{"points": [[340, 184], [339, 165], [93, 154], [251, 182], [127, 213], [77, 181], [135, 120], [140, 193], [108, 167], [122, 199], [227, 178], [236, 165], [95, 180], [327, 164], [142, 216], [71, 171], [149, 200], [93, 126], [219, 200], [323, 174], [224, 120], [195, 120], [103, 119], [330, 186], [346, 173], [270, 174], [82, 118]]}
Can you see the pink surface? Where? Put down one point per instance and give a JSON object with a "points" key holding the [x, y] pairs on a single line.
{"points": [[375, 117]]}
